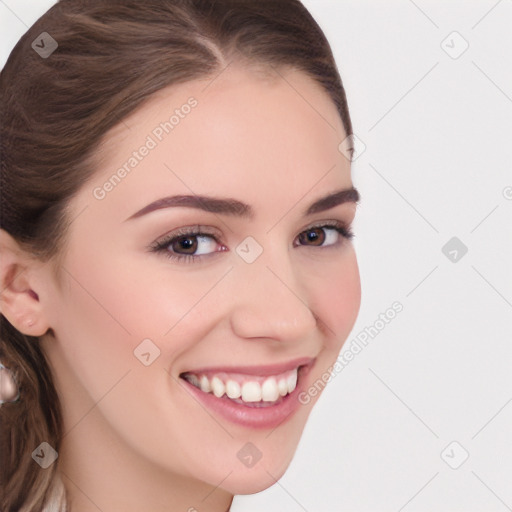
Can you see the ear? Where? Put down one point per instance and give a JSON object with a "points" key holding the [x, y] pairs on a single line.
{"points": [[19, 300]]}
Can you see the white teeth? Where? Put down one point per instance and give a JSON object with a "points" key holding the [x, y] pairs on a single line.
{"points": [[233, 389], [193, 380], [282, 386], [264, 389], [205, 384], [269, 391], [251, 392], [291, 381], [218, 387]]}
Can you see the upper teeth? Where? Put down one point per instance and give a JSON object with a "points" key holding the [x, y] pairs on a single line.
{"points": [[248, 388]]}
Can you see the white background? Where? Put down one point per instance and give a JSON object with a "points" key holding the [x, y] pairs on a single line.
{"points": [[437, 164]]}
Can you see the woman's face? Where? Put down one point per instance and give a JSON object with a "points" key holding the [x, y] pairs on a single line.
{"points": [[261, 291]]}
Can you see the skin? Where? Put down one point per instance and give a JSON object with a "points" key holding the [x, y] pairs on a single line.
{"points": [[134, 438]]}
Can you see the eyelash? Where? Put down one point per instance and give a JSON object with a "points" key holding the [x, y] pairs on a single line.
{"points": [[161, 246]]}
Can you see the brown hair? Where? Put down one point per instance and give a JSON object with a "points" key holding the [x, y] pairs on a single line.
{"points": [[112, 55]]}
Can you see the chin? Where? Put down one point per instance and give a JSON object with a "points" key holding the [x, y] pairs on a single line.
{"points": [[253, 480], [277, 455]]}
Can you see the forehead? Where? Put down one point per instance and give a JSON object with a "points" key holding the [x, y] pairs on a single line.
{"points": [[242, 131]]}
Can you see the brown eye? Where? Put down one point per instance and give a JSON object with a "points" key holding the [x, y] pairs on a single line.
{"points": [[185, 243], [315, 235], [187, 247]]}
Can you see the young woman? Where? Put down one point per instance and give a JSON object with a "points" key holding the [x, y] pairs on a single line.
{"points": [[176, 270]]}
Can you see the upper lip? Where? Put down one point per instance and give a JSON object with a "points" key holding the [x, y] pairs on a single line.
{"points": [[268, 369]]}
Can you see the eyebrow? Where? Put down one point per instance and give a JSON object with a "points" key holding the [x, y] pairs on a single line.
{"points": [[234, 207]]}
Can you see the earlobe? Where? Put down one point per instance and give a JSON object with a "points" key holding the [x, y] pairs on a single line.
{"points": [[19, 302]]}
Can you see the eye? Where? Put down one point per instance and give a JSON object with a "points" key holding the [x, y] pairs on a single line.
{"points": [[194, 243], [187, 244], [317, 234]]}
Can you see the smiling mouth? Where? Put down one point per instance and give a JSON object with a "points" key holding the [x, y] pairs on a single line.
{"points": [[249, 390]]}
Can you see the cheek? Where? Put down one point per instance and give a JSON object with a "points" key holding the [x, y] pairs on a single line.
{"points": [[106, 313], [124, 303], [115, 317], [336, 298]]}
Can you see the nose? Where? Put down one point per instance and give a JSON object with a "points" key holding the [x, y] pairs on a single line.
{"points": [[270, 300]]}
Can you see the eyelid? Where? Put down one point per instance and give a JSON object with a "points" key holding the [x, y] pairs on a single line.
{"points": [[328, 223], [195, 229]]}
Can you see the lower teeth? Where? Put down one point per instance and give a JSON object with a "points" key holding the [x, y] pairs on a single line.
{"points": [[254, 404]]}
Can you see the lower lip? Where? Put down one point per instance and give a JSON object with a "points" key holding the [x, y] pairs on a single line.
{"points": [[253, 417]]}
